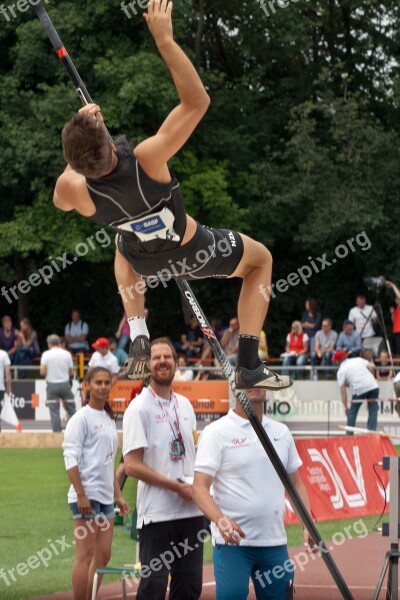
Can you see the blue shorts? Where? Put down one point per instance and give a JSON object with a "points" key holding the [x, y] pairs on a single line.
{"points": [[106, 510], [269, 568]]}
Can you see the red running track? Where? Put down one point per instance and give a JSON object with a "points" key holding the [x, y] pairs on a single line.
{"points": [[359, 560]]}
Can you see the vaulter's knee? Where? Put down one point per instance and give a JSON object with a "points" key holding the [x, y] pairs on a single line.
{"points": [[255, 257], [267, 256], [260, 255]]}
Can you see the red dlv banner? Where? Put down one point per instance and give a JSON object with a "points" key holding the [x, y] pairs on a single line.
{"points": [[339, 477]]}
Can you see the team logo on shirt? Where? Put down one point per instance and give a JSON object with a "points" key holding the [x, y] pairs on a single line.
{"points": [[238, 441], [161, 418], [98, 427]]}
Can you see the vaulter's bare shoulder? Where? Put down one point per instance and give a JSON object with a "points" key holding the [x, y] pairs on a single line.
{"points": [[71, 193]]}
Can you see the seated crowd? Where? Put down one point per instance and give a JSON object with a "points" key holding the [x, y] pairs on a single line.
{"points": [[311, 340]]}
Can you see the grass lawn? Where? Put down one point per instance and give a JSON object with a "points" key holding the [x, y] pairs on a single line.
{"points": [[35, 514]]}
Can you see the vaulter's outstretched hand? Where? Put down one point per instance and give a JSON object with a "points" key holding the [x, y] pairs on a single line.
{"points": [[159, 20]]}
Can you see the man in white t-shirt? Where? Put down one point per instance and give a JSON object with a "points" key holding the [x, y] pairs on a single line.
{"points": [[5, 375], [363, 316], [158, 450], [57, 366], [358, 373], [247, 506], [103, 357]]}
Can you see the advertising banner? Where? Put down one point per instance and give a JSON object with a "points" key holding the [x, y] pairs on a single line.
{"points": [[339, 477], [209, 398]]}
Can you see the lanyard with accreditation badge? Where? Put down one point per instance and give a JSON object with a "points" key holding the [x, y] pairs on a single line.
{"points": [[176, 446]]}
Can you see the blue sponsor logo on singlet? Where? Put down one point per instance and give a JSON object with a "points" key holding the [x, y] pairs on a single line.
{"points": [[148, 225]]}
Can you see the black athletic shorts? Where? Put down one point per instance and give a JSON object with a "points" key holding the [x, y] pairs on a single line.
{"points": [[210, 253]]}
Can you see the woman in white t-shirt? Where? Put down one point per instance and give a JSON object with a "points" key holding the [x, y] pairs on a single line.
{"points": [[90, 445]]}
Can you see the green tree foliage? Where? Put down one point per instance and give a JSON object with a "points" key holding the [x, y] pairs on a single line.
{"points": [[300, 146]]}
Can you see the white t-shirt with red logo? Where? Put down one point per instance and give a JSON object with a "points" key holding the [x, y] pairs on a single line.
{"points": [[109, 361], [91, 443], [147, 424], [246, 487]]}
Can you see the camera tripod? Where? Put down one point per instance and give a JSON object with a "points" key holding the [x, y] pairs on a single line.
{"points": [[391, 463], [377, 307]]}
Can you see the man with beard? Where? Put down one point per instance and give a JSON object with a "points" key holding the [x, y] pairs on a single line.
{"points": [[159, 451]]}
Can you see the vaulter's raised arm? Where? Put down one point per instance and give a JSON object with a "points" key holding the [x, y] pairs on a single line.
{"points": [[154, 152]]}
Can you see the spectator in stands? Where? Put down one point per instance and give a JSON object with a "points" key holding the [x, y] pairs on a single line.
{"points": [[104, 358], [395, 315], [90, 445], [57, 367], [324, 347], [230, 340], [203, 374], [384, 372], [363, 316], [192, 340], [123, 333], [263, 347], [311, 321], [76, 333], [120, 354], [28, 346], [358, 373], [349, 339], [296, 348], [218, 329], [183, 373], [8, 337]]}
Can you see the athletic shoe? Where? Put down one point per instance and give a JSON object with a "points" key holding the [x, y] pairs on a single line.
{"points": [[138, 363], [262, 377]]}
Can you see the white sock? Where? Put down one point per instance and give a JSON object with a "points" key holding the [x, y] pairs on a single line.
{"points": [[138, 327]]}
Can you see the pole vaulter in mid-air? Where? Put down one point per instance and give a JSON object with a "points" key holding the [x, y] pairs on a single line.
{"points": [[145, 197], [136, 195]]}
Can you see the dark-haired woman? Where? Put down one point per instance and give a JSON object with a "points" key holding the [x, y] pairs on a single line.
{"points": [[311, 321], [90, 445]]}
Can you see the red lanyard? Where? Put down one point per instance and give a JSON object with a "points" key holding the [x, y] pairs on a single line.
{"points": [[177, 434]]}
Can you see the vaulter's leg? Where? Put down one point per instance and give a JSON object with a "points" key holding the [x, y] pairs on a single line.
{"points": [[132, 289], [255, 268]]}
